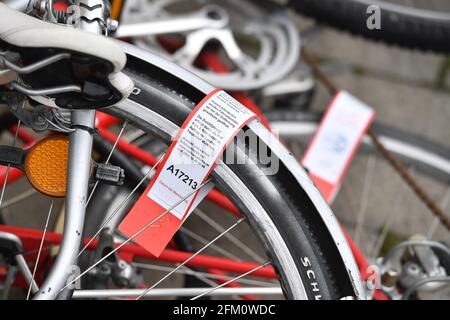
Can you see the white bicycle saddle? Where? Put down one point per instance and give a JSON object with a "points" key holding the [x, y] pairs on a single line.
{"points": [[31, 37]]}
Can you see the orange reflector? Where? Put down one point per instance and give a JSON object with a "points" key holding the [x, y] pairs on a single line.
{"points": [[46, 165]]}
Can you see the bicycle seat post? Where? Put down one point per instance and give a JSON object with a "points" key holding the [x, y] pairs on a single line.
{"points": [[93, 18]]}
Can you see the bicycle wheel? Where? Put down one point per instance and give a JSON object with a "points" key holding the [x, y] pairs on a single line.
{"points": [[284, 210], [417, 24], [387, 212]]}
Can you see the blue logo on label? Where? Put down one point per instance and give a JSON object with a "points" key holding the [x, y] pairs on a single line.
{"points": [[336, 142]]}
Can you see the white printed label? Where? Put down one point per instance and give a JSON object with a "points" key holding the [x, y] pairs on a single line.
{"points": [[199, 145], [337, 138]]}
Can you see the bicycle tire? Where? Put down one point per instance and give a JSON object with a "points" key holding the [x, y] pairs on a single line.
{"points": [[400, 25], [294, 214]]}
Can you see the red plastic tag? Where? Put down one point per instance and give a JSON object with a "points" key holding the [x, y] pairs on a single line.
{"points": [[186, 166], [336, 142]]}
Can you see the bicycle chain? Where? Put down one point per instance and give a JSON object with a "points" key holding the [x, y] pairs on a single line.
{"points": [[386, 154]]}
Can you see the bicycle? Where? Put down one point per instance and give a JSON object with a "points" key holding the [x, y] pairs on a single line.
{"points": [[163, 119], [420, 27], [156, 90]]}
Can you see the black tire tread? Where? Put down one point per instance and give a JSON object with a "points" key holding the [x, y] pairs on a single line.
{"points": [[401, 29]]}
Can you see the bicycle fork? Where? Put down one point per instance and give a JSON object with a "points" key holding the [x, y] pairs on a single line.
{"points": [[78, 175], [78, 171]]}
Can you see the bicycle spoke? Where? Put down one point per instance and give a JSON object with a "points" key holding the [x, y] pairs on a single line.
{"points": [[238, 243], [40, 249], [391, 215], [137, 233], [9, 166], [232, 280], [19, 198], [347, 194], [202, 278], [203, 241], [114, 213], [436, 221], [188, 271], [107, 160], [365, 196], [192, 257]]}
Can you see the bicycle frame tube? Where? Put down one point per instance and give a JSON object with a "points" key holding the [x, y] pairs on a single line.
{"points": [[132, 251], [78, 172]]}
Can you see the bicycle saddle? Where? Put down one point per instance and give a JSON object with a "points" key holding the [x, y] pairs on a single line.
{"points": [[91, 62]]}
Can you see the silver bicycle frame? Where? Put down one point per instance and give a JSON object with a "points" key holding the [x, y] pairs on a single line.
{"points": [[78, 174]]}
